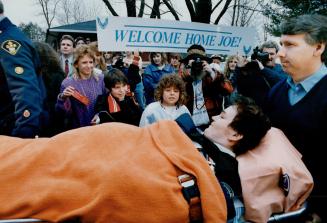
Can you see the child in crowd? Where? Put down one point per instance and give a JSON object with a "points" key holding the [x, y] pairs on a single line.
{"points": [[170, 96], [115, 106], [79, 92]]}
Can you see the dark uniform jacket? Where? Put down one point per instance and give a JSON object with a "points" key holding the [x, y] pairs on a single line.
{"points": [[22, 91]]}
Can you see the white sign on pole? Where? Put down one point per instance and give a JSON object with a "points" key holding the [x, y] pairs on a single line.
{"points": [[156, 35]]}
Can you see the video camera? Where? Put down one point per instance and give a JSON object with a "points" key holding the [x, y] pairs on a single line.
{"points": [[263, 57], [119, 63], [197, 65]]}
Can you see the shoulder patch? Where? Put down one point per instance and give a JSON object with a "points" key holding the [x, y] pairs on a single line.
{"points": [[11, 46]]}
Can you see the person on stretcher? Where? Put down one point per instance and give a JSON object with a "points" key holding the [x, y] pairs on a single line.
{"points": [[262, 172]]}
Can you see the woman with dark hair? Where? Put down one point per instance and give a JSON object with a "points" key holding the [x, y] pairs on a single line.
{"points": [[115, 106], [153, 72], [174, 60], [52, 75], [79, 41]]}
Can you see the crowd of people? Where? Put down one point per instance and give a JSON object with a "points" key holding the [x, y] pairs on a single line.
{"points": [[226, 108]]}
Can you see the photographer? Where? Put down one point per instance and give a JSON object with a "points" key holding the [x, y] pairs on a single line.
{"points": [[269, 50], [203, 86], [257, 77]]}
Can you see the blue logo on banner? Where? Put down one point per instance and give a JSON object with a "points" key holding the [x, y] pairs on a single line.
{"points": [[247, 50], [104, 24]]}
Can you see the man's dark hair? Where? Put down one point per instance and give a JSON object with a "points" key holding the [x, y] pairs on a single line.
{"points": [[250, 122], [113, 77], [314, 27], [1, 7]]}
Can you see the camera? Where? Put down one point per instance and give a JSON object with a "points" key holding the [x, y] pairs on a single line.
{"points": [[119, 63], [263, 57], [197, 65]]}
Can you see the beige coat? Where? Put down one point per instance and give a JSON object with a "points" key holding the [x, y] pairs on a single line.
{"points": [[274, 179]]}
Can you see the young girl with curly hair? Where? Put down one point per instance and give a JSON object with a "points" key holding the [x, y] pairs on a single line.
{"points": [[170, 96]]}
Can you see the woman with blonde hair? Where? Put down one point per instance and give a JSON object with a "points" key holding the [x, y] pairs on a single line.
{"points": [[78, 93], [230, 67], [100, 62]]}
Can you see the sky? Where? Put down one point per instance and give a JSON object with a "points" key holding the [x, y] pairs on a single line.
{"points": [[19, 11], [25, 11]]}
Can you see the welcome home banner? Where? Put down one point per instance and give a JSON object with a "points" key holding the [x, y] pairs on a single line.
{"points": [[157, 35]]}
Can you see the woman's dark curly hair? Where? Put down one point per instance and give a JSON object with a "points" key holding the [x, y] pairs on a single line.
{"points": [[171, 80], [250, 122]]}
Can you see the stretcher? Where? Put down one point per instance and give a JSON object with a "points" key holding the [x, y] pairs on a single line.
{"points": [[294, 216]]}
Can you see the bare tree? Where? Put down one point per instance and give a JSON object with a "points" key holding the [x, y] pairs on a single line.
{"points": [[131, 8], [223, 11], [73, 11], [109, 6], [199, 10], [171, 8], [155, 13], [141, 12], [49, 8], [243, 12]]}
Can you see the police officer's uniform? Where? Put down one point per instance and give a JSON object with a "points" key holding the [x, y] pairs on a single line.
{"points": [[22, 91]]}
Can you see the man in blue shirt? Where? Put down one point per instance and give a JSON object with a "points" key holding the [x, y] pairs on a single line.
{"points": [[298, 105], [22, 91]]}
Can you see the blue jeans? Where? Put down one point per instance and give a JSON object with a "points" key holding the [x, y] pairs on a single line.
{"points": [[139, 95]]}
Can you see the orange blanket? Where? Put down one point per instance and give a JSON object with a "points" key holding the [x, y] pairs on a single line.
{"points": [[107, 173]]}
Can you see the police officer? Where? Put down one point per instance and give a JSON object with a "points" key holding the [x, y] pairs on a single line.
{"points": [[22, 91]]}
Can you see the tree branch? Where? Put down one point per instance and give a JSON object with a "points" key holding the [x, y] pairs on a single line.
{"points": [[223, 11], [111, 9], [155, 13], [141, 12], [131, 8], [172, 10], [214, 8], [190, 9]]}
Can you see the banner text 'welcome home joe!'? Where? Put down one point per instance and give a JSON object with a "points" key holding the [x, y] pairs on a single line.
{"points": [[156, 35]]}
